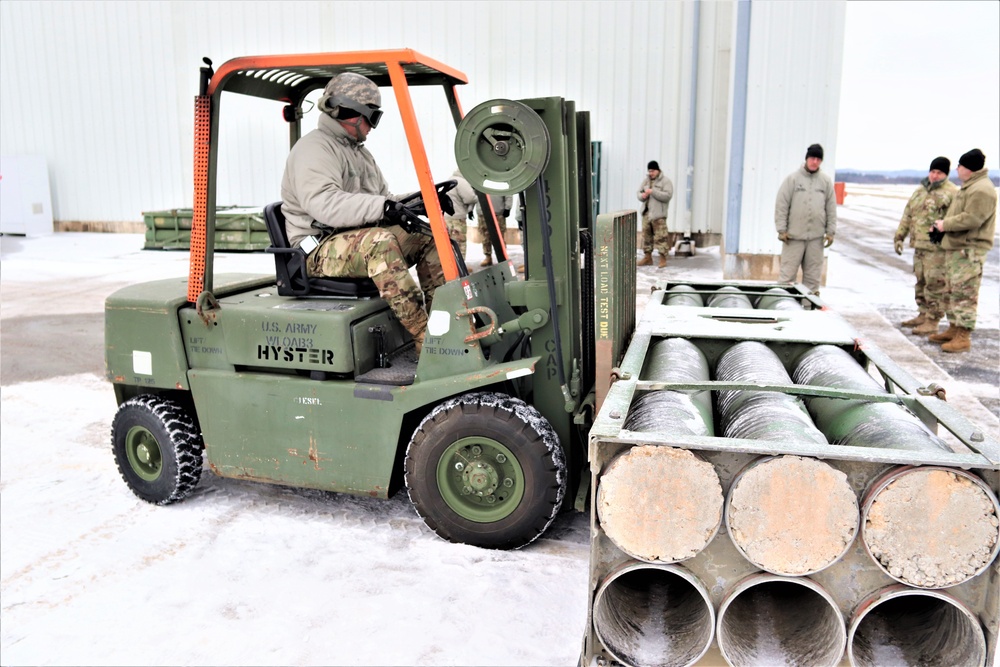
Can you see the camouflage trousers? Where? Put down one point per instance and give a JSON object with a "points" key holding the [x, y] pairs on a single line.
{"points": [[385, 254], [962, 275], [926, 299], [654, 235], [457, 230], [484, 234]]}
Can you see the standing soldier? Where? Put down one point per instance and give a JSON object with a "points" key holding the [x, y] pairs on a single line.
{"points": [[805, 215], [463, 198], [968, 229], [655, 193], [338, 208], [927, 204], [501, 208]]}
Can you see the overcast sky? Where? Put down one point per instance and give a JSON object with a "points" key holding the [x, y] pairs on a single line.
{"points": [[921, 79]]}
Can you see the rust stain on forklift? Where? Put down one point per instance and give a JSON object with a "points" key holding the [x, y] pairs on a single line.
{"points": [[313, 454]]}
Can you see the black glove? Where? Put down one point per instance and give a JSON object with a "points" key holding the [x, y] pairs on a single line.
{"points": [[399, 214], [935, 236], [472, 215], [393, 212], [506, 212], [446, 204], [447, 207]]}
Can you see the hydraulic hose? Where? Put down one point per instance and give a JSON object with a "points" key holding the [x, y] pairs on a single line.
{"points": [[550, 279]]}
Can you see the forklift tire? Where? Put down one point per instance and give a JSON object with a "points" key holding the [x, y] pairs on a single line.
{"points": [[158, 449], [486, 469]]}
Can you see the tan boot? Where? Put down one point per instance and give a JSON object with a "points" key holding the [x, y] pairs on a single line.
{"points": [[961, 342], [647, 260], [663, 262], [915, 321], [945, 335], [487, 262], [929, 326]]}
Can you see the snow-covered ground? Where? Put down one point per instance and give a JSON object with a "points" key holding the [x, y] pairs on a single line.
{"points": [[240, 573], [251, 574]]}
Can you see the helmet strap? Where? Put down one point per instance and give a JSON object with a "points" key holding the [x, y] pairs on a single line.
{"points": [[356, 124]]}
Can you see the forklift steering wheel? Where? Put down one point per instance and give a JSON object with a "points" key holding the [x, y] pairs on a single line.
{"points": [[441, 188], [412, 207]]}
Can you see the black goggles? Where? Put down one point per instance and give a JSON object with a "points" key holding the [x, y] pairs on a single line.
{"points": [[371, 113], [374, 115]]}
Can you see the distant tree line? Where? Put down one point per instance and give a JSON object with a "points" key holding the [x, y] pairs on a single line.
{"points": [[880, 178]]}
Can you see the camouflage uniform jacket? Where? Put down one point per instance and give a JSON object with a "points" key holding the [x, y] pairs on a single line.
{"points": [[806, 206], [463, 197], [927, 204], [971, 220], [331, 179], [500, 203], [663, 191]]}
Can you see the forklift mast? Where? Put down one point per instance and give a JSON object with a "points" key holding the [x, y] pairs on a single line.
{"points": [[576, 267]]}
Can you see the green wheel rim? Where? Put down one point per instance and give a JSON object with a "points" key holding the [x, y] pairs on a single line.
{"points": [[143, 452], [480, 479]]}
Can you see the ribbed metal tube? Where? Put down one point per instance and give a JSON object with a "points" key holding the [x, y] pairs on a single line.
{"points": [[679, 412], [931, 526], [855, 422], [729, 296], [684, 295], [778, 298], [654, 616], [771, 620], [761, 415], [902, 626]]}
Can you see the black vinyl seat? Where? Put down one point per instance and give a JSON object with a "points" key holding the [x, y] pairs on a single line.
{"points": [[290, 266]]}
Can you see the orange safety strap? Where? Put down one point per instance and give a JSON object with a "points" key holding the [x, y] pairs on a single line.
{"points": [[202, 131]]}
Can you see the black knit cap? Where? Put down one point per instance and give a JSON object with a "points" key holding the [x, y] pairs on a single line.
{"points": [[941, 164], [815, 151], [974, 160], [653, 164]]}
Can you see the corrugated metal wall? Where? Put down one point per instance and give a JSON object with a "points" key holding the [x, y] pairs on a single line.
{"points": [[104, 90], [793, 98]]}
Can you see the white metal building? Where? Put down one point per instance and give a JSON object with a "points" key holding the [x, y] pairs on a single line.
{"points": [[728, 92]]}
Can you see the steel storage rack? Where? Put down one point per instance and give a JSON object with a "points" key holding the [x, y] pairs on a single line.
{"points": [[767, 482]]}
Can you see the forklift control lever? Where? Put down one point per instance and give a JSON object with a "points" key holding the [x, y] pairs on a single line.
{"points": [[529, 321]]}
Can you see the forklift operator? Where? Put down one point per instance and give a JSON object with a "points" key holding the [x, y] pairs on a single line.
{"points": [[338, 208]]}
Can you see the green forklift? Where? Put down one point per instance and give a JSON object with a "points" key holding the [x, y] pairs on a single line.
{"points": [[313, 383]]}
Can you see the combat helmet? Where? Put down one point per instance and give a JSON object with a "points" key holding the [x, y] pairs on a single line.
{"points": [[349, 92]]}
